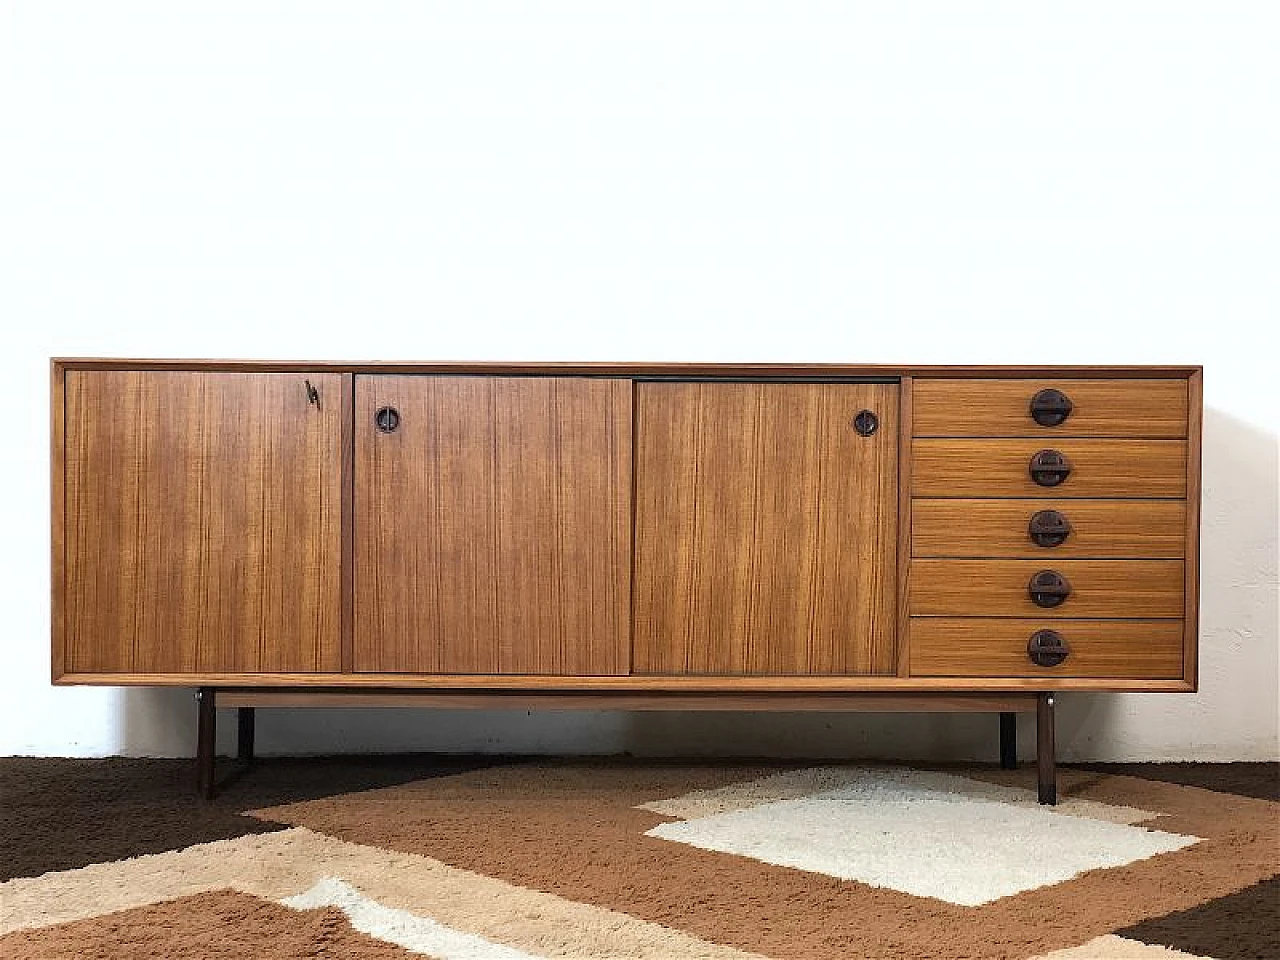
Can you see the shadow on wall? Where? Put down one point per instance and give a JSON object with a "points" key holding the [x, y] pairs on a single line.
{"points": [[1239, 669]]}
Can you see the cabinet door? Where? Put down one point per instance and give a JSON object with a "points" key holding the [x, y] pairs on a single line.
{"points": [[766, 535], [202, 528], [493, 526]]}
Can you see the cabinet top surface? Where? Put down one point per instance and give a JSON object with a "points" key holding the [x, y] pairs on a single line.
{"points": [[631, 369]]}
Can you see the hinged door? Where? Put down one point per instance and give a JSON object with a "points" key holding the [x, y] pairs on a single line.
{"points": [[202, 522], [766, 528]]}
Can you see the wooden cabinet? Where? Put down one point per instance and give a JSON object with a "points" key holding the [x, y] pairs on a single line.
{"points": [[492, 525], [1089, 486], [200, 522], [644, 536], [614, 527], [766, 529]]}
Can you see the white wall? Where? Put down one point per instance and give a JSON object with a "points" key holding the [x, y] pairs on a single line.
{"points": [[902, 182]]}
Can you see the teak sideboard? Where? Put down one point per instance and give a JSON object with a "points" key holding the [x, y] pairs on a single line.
{"points": [[631, 536]]}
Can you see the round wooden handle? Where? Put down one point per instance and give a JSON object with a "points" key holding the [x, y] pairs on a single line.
{"points": [[1048, 648], [1050, 407], [1048, 588], [1048, 528], [1049, 468], [387, 419]]}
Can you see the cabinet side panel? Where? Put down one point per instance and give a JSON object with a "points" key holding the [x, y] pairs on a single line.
{"points": [[203, 522], [766, 534], [1191, 626], [57, 519], [493, 525]]}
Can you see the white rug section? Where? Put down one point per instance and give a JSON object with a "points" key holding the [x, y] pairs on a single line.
{"points": [[417, 934], [1111, 947], [793, 784], [928, 834]]}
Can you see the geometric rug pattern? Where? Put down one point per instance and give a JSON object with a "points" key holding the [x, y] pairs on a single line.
{"points": [[492, 859]]}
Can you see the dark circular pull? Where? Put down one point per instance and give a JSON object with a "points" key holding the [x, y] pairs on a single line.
{"points": [[1048, 528], [387, 419], [866, 423], [1048, 588], [1047, 648], [1049, 468], [1050, 407]]}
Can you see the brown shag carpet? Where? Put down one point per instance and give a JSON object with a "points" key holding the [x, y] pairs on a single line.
{"points": [[494, 858]]}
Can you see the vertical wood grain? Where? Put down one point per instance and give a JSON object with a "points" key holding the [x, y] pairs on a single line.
{"points": [[203, 522], [346, 579], [57, 519], [905, 553], [494, 525], [1191, 626], [766, 536]]}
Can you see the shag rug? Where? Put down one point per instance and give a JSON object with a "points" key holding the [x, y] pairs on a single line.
{"points": [[482, 858]]}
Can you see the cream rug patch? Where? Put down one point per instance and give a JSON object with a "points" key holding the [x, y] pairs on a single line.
{"points": [[923, 833], [421, 935]]}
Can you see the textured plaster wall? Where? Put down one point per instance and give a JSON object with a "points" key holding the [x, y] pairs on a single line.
{"points": [[925, 182]]}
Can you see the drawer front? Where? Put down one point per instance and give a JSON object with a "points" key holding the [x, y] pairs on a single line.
{"points": [[1148, 469], [984, 647], [1000, 588], [1001, 528], [1003, 408]]}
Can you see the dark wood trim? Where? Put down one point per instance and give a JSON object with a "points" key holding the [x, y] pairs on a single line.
{"points": [[347, 563], [594, 369], [518, 700], [57, 517], [634, 684], [1191, 563], [903, 633]]}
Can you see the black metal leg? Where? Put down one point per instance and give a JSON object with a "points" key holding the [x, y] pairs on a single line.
{"points": [[1008, 741], [1046, 772], [206, 730], [244, 735]]}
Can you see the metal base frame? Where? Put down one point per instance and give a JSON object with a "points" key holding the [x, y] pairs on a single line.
{"points": [[207, 719], [1046, 768], [1008, 741], [207, 739]]}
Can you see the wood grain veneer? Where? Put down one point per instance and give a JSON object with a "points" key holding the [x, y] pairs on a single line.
{"points": [[545, 575], [203, 529], [905, 533], [494, 530], [1191, 615], [987, 647], [1150, 529], [499, 683], [1146, 469], [765, 530], [347, 570], [57, 520], [611, 369], [998, 588], [1100, 408]]}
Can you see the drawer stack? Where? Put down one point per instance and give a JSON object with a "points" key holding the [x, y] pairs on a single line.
{"points": [[1048, 528]]}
